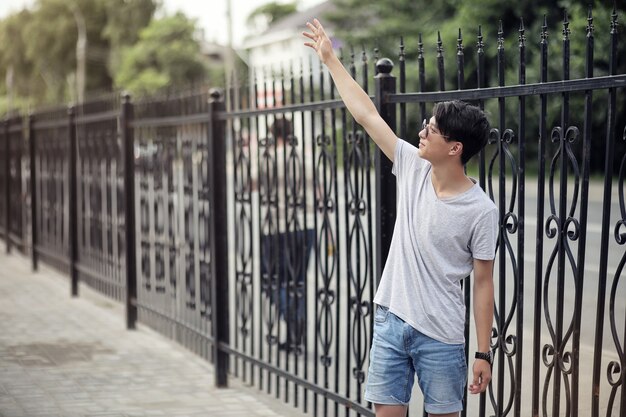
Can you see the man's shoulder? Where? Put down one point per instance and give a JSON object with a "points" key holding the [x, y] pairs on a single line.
{"points": [[482, 202]]}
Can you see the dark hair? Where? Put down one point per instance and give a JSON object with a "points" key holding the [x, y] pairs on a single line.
{"points": [[464, 123]]}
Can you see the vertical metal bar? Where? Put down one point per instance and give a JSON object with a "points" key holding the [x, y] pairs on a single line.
{"points": [[300, 325], [7, 147], [440, 67], [402, 64], [606, 218], [305, 296], [460, 73], [337, 240], [325, 197], [7, 185], [480, 78], [73, 201], [560, 292], [460, 62], [219, 238], [541, 164], [501, 316], [316, 353], [480, 81], [521, 211], [385, 180], [255, 104], [584, 203], [362, 171], [346, 174], [33, 190], [287, 276], [126, 116], [421, 74]]}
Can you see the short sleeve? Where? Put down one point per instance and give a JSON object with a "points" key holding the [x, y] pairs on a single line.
{"points": [[485, 235], [405, 157]]}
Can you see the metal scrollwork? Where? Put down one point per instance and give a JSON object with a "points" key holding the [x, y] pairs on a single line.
{"points": [[563, 226], [503, 341], [327, 262], [243, 240], [268, 199], [615, 370], [359, 250]]}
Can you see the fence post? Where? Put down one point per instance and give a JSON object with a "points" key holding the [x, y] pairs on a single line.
{"points": [[385, 180], [71, 116], [126, 116], [33, 190], [7, 185], [219, 236]]}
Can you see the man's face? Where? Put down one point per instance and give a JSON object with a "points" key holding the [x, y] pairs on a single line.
{"points": [[433, 146]]}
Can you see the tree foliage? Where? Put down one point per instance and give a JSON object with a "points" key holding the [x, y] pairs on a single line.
{"points": [[381, 23], [166, 55], [40, 45]]}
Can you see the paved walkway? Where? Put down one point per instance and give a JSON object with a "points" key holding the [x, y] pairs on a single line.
{"points": [[71, 357]]}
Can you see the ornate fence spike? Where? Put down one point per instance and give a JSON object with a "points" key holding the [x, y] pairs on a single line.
{"points": [[566, 29]]}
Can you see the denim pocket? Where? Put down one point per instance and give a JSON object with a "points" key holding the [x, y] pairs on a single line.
{"points": [[381, 314]]}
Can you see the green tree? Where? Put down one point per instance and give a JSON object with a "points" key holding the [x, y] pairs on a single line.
{"points": [[125, 19], [24, 82], [40, 45], [166, 55], [381, 23]]}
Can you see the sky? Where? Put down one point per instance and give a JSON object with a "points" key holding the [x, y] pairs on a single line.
{"points": [[210, 14]]}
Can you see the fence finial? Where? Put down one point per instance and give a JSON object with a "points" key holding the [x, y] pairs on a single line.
{"points": [[544, 30], [215, 94], [522, 33], [420, 47], [590, 21], [459, 43], [439, 45], [480, 45], [566, 30], [384, 66], [500, 36], [614, 19], [401, 55]]}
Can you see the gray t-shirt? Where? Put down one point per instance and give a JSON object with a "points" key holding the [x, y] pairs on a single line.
{"points": [[433, 247]]}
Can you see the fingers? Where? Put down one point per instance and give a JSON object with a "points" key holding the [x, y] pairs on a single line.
{"points": [[474, 387], [482, 376], [316, 34], [318, 24]]}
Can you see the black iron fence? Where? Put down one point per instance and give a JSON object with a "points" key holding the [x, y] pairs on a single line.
{"points": [[255, 234]]}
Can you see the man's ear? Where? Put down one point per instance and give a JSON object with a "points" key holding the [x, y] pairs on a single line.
{"points": [[456, 149]]}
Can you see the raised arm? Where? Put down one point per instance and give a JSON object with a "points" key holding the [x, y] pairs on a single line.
{"points": [[356, 100]]}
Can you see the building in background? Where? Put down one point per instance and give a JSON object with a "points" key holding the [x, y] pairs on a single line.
{"points": [[280, 48]]}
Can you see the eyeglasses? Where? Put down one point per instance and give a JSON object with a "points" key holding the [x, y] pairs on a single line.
{"points": [[428, 129]]}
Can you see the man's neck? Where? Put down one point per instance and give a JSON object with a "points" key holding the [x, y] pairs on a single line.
{"points": [[450, 180]]}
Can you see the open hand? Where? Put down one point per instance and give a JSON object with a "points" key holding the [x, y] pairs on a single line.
{"points": [[321, 42]]}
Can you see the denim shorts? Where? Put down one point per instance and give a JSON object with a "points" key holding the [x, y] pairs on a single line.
{"points": [[399, 352]]}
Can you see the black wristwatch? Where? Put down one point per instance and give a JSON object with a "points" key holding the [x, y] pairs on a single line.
{"points": [[486, 356]]}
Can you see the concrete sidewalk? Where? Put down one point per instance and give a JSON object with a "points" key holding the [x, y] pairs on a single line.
{"points": [[70, 357]]}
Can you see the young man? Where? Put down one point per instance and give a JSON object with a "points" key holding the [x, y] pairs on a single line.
{"points": [[445, 227]]}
